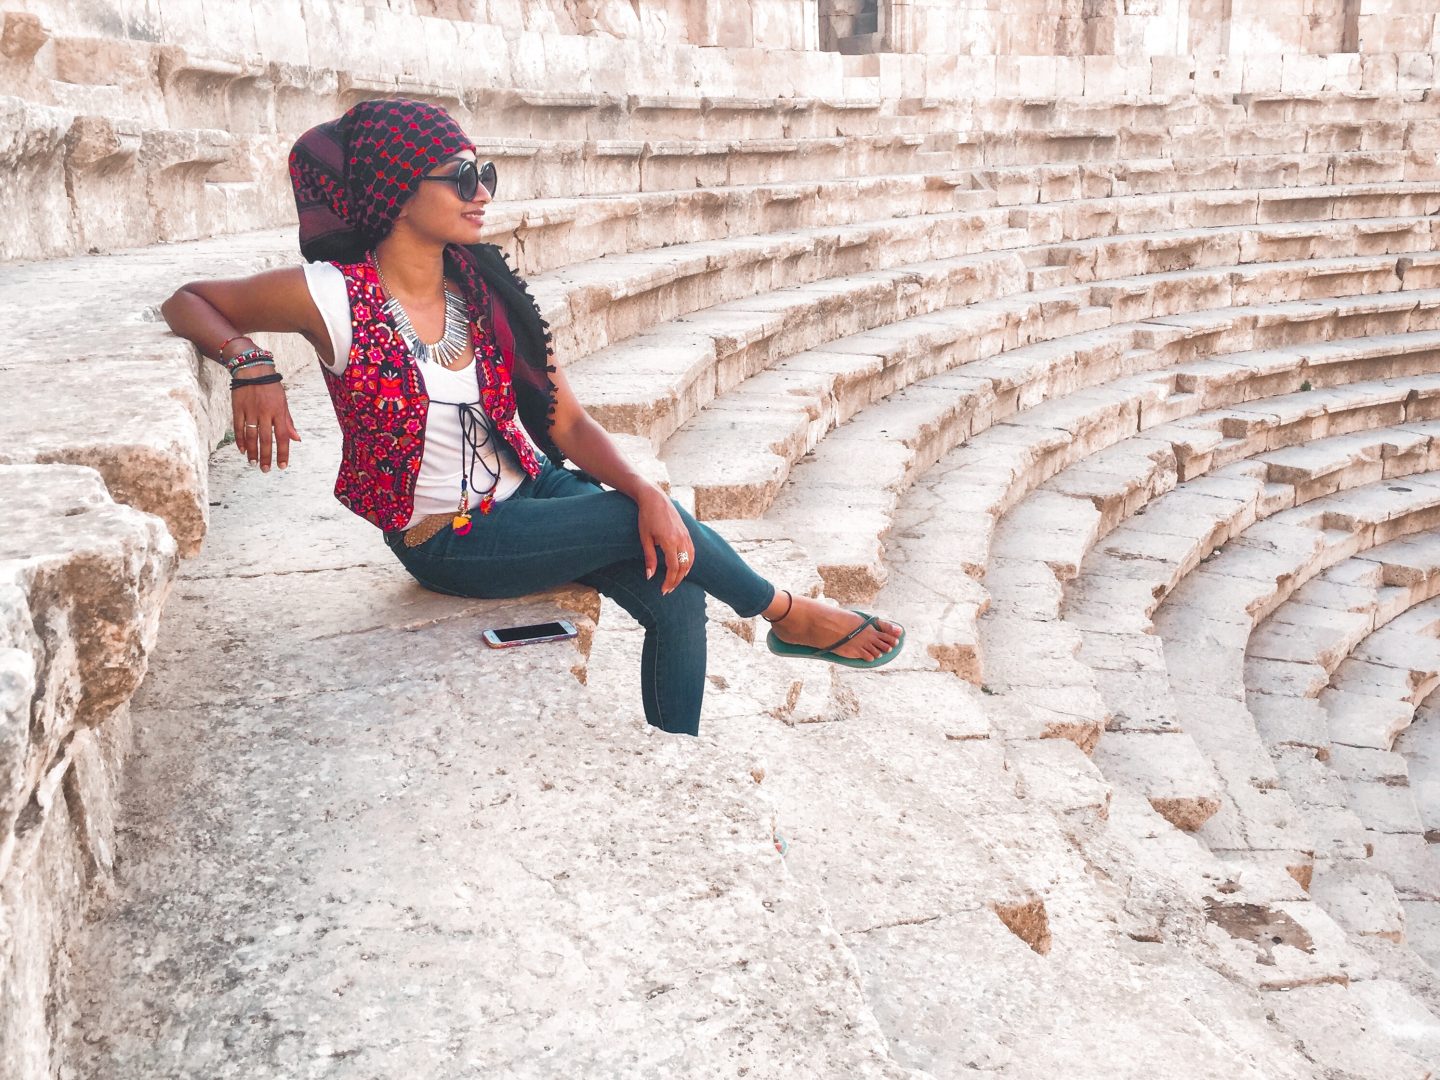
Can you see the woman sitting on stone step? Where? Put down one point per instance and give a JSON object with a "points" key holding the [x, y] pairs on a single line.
{"points": [[455, 422]]}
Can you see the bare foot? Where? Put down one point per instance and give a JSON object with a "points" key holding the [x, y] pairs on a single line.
{"points": [[817, 624]]}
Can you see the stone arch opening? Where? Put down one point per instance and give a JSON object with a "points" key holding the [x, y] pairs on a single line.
{"points": [[852, 26]]}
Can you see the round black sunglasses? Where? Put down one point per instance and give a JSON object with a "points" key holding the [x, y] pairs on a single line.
{"points": [[469, 178]]}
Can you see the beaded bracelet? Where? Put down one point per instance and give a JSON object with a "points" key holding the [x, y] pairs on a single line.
{"points": [[220, 352], [246, 354], [258, 380], [256, 362]]}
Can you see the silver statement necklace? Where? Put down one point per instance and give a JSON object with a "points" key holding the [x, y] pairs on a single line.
{"points": [[452, 343]]}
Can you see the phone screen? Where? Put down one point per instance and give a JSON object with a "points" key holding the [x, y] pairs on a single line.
{"points": [[534, 630]]}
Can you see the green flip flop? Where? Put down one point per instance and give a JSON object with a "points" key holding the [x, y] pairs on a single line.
{"points": [[811, 652]]}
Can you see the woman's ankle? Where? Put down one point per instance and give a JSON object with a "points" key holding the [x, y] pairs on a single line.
{"points": [[789, 604]]}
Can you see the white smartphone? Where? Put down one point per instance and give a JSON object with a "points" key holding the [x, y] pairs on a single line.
{"points": [[507, 637]]}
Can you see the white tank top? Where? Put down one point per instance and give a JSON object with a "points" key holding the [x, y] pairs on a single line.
{"points": [[437, 486]]}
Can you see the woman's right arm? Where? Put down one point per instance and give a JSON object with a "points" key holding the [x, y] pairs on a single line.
{"points": [[212, 313]]}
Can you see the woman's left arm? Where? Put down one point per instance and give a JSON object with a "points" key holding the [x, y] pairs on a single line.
{"points": [[588, 445]]}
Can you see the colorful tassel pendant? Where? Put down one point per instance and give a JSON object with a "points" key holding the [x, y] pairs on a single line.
{"points": [[461, 523], [486, 502]]}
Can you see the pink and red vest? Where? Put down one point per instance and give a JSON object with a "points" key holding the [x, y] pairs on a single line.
{"points": [[381, 404]]}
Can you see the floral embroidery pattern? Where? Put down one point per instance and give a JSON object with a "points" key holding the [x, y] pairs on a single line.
{"points": [[381, 404]]}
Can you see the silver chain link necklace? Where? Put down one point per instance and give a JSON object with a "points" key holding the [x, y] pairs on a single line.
{"points": [[452, 343]]}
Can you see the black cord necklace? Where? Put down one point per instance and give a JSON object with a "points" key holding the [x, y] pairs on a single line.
{"points": [[472, 422]]}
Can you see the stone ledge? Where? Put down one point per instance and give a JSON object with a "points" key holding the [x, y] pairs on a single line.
{"points": [[82, 581]]}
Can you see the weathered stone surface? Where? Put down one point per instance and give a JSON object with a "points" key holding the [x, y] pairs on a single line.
{"points": [[1360, 899], [82, 581], [1338, 1032], [1168, 769]]}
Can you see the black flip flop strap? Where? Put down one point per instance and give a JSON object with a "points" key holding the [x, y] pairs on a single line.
{"points": [[869, 622]]}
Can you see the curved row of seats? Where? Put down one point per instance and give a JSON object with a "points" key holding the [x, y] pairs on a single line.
{"points": [[1331, 676], [1326, 956], [205, 136], [1210, 391]]}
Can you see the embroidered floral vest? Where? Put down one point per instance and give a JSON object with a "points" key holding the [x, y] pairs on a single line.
{"points": [[381, 404]]}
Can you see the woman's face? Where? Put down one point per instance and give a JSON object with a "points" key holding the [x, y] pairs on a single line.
{"points": [[436, 210]]}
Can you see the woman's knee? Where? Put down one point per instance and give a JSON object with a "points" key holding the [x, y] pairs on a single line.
{"points": [[685, 606], [679, 610]]}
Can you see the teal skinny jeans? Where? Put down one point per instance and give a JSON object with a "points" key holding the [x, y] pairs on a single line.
{"points": [[558, 528]]}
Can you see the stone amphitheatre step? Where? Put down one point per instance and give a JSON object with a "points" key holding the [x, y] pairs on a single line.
{"points": [[616, 141], [178, 498], [1000, 464], [1146, 467], [1207, 619], [1417, 743], [1151, 173], [1368, 615], [900, 924], [784, 410], [607, 77], [735, 337], [547, 233], [1126, 665], [164, 408]]}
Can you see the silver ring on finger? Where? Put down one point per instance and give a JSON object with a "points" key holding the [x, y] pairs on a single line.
{"points": [[682, 557], [252, 425]]}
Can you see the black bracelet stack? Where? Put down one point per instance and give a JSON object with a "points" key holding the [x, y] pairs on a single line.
{"points": [[258, 380]]}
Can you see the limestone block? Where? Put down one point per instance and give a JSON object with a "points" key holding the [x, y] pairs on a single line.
{"points": [[1053, 528], [144, 443], [1058, 775], [1360, 899], [1285, 721], [1363, 719], [1105, 77], [93, 576], [1420, 927], [32, 148], [1383, 680], [651, 386], [1322, 798], [1256, 812], [1408, 641], [1132, 679], [1167, 768], [1385, 807], [1284, 678], [1325, 637], [1407, 860], [1024, 593], [1338, 1028], [1172, 76], [1119, 480], [1402, 1013]]}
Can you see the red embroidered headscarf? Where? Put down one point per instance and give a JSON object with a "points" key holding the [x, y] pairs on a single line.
{"points": [[352, 175]]}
